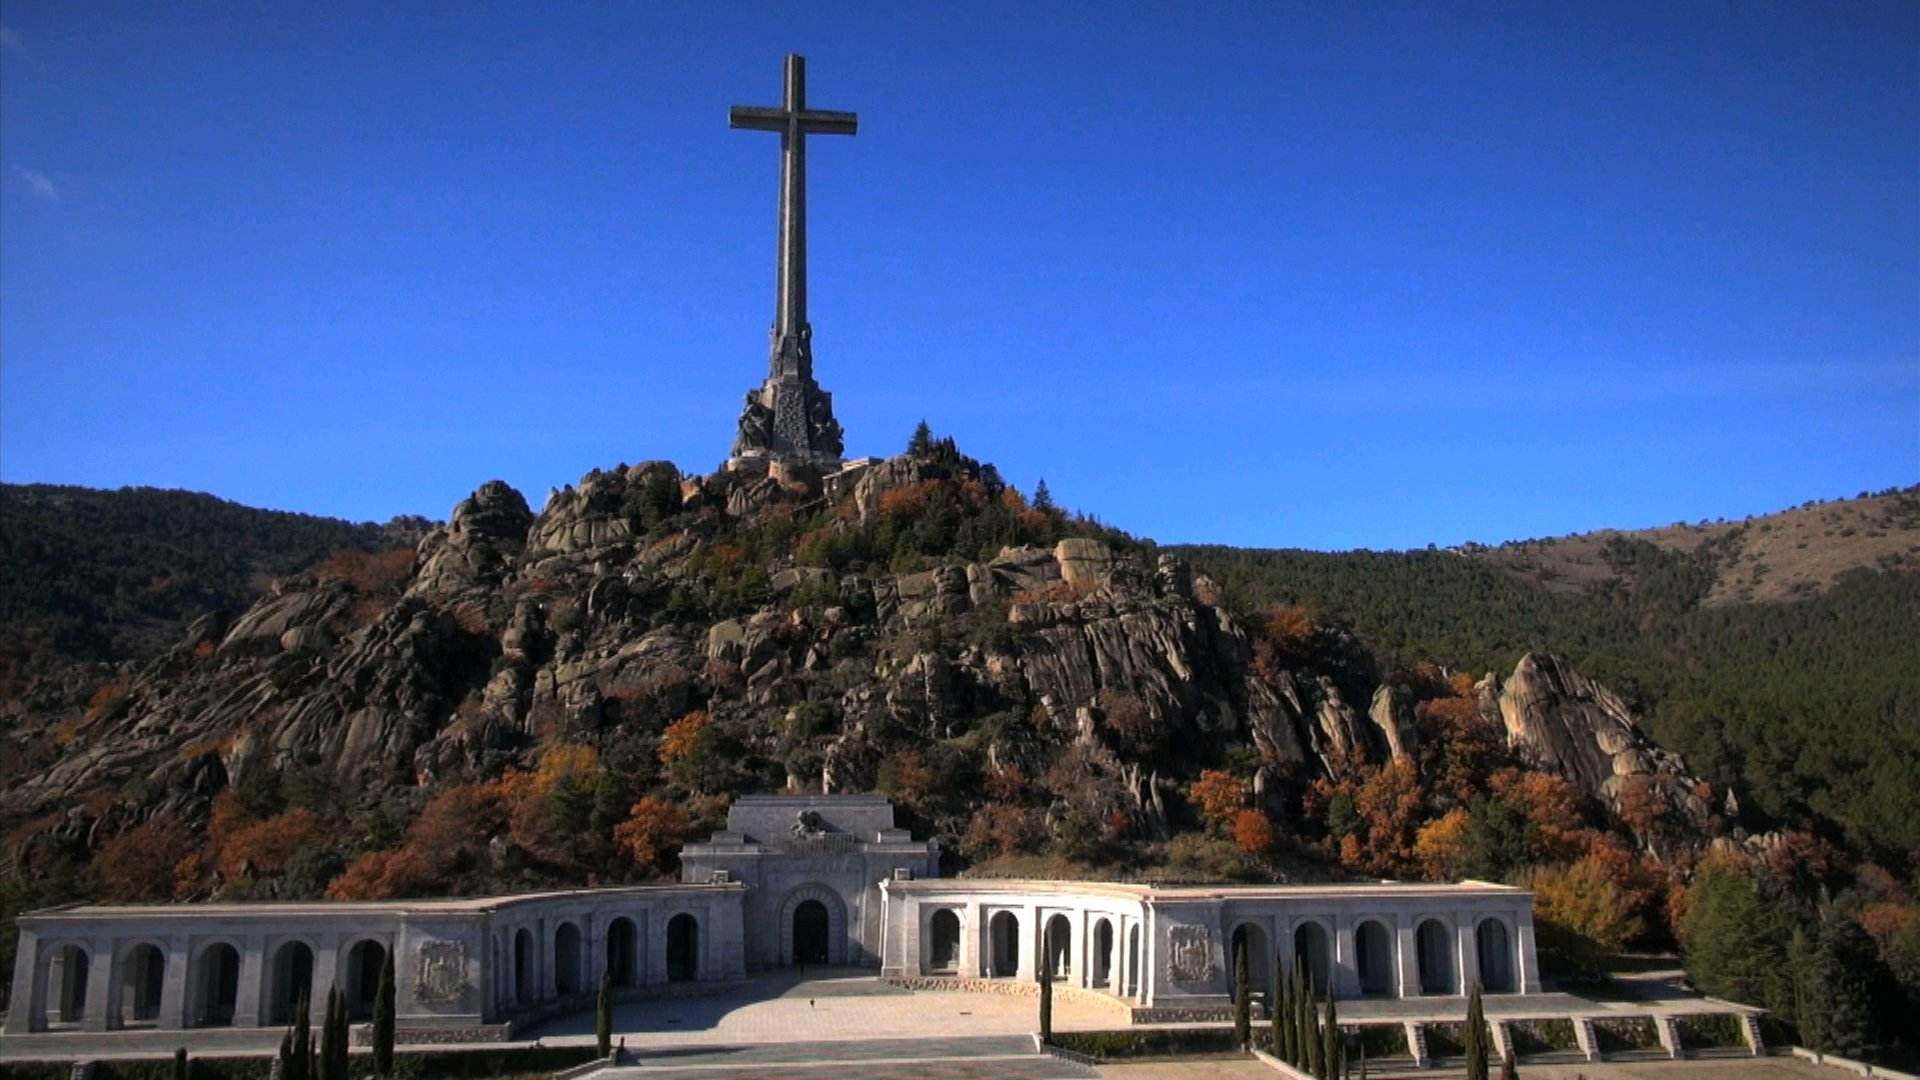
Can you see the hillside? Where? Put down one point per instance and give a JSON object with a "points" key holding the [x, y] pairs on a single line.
{"points": [[88, 575]]}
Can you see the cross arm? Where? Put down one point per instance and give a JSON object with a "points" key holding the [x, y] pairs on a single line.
{"points": [[771, 118]]}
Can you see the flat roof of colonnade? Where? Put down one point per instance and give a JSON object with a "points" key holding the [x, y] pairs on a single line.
{"points": [[1152, 891], [450, 906]]}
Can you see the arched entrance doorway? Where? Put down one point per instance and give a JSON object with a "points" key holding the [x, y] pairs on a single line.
{"points": [[1102, 953], [810, 932], [620, 942], [566, 960], [365, 961], [1434, 946], [683, 948], [1494, 947], [216, 985], [945, 932], [67, 975], [143, 974], [1059, 946], [1253, 938], [1313, 955], [522, 967], [1373, 955], [292, 982], [1133, 961], [1003, 932]]}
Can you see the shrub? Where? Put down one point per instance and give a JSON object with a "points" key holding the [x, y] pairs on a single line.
{"points": [[1542, 1036], [1711, 1031], [1619, 1033], [1164, 1042]]}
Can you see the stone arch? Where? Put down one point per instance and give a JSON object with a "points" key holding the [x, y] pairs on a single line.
{"points": [[1100, 966], [213, 984], [943, 938], [829, 904], [683, 947], [62, 974], [1313, 954], [1003, 953], [623, 940], [1373, 956], [289, 980], [1253, 937], [524, 989], [1433, 947], [1057, 939], [1493, 946], [365, 960], [142, 974], [566, 960]]}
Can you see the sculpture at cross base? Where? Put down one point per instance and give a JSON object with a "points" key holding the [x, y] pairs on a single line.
{"points": [[789, 417]]}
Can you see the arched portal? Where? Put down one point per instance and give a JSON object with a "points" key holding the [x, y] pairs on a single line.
{"points": [[683, 948], [1373, 955], [291, 982], [816, 913], [1004, 956], [1133, 961], [1494, 947], [621, 938], [1252, 937], [215, 985], [1313, 955], [365, 961], [523, 966], [1433, 944], [566, 960], [944, 930], [1102, 962], [1059, 946], [143, 975], [67, 974]]}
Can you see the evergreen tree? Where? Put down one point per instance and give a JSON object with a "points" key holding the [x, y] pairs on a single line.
{"points": [[603, 1015], [1476, 1038], [921, 445], [1833, 973], [1242, 997], [1045, 975], [1042, 498], [181, 1068], [1302, 1020], [1277, 1012], [299, 1064], [1330, 1042], [383, 1020], [1735, 939], [285, 1055], [333, 1038], [1315, 1062]]}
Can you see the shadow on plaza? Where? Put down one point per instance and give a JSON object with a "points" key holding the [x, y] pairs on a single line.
{"points": [[705, 1011]]}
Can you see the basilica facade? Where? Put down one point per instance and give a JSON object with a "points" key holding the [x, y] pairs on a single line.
{"points": [[792, 880]]}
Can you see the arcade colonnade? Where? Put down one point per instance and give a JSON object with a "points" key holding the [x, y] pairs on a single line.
{"points": [[1173, 947], [459, 962]]}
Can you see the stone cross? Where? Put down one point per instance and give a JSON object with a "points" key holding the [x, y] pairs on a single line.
{"points": [[794, 121]]}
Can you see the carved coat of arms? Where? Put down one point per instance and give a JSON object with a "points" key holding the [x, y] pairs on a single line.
{"points": [[1190, 953], [443, 972]]}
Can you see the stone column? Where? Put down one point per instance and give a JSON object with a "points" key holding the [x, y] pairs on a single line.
{"points": [[173, 987], [1149, 958], [327, 971], [1527, 970], [1029, 943], [1346, 963], [1407, 953], [1469, 951], [26, 964], [100, 986], [247, 996]]}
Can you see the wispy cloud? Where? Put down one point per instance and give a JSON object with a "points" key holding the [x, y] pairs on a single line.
{"points": [[39, 183]]}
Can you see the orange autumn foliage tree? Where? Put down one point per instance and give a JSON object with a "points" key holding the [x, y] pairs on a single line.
{"points": [[1254, 832], [139, 863], [1441, 846], [548, 810], [653, 827], [262, 848], [682, 736], [450, 834], [1219, 795]]}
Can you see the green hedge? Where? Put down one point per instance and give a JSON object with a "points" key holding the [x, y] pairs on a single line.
{"points": [[1711, 1031], [1542, 1036], [1626, 1033], [1446, 1040], [1379, 1041], [1151, 1042]]}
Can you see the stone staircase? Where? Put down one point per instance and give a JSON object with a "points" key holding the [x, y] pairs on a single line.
{"points": [[1417, 1044], [1586, 1037]]}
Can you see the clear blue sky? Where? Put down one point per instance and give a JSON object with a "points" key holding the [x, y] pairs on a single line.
{"points": [[1295, 274]]}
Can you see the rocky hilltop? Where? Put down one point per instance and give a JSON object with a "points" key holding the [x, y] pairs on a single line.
{"points": [[1018, 679]]}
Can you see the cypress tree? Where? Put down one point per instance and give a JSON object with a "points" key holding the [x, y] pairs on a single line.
{"points": [[603, 1015], [383, 1020], [1476, 1037], [1045, 976], [1277, 1012], [1302, 1022], [180, 1066], [1330, 1046], [1242, 997], [285, 1055], [1314, 1063], [333, 1038], [299, 1064]]}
